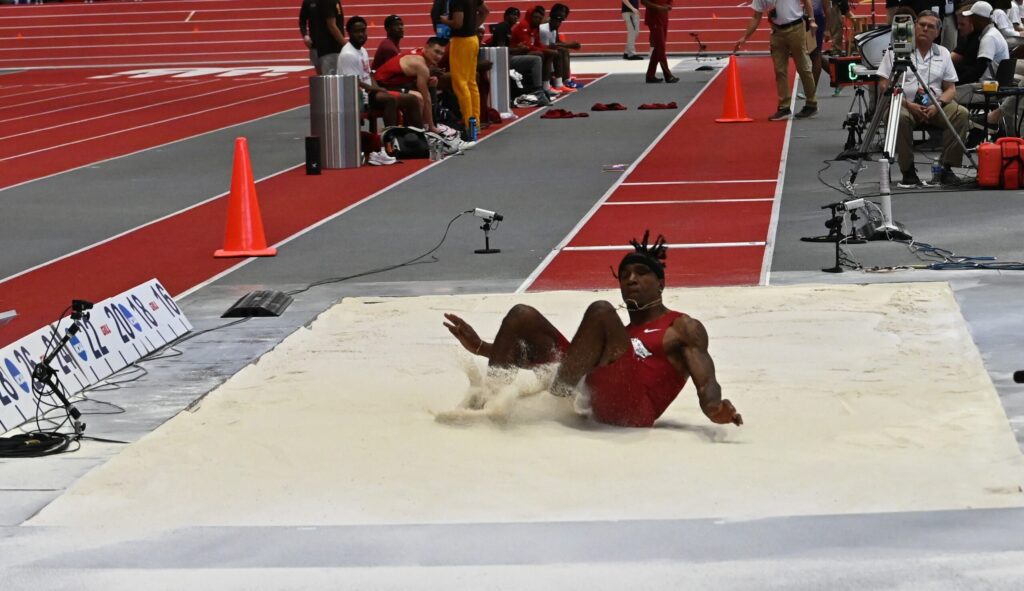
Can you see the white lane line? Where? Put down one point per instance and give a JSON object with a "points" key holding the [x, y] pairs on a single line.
{"points": [[120, 131], [56, 47], [172, 142], [152, 34], [139, 227], [722, 182], [168, 44], [687, 201], [118, 113], [116, 87], [51, 88], [163, 55], [326, 220], [177, 64], [682, 245], [127, 96], [593, 210], [190, 15], [773, 225]]}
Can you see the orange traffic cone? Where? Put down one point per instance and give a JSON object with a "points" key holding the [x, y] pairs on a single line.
{"points": [[244, 235], [733, 110]]}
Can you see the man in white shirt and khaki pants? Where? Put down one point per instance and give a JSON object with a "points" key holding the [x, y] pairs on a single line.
{"points": [[790, 21]]}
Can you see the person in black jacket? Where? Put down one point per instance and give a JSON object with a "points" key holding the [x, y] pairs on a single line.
{"points": [[306, 14]]}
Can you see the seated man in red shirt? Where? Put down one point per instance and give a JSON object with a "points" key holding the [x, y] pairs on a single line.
{"points": [[526, 36], [388, 48], [632, 372], [409, 72]]}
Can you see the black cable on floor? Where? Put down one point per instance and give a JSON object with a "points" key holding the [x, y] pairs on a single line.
{"points": [[413, 261]]}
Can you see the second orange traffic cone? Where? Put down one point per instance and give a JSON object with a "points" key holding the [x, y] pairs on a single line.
{"points": [[244, 234], [733, 110]]}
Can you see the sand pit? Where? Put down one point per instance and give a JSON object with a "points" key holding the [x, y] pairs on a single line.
{"points": [[856, 399]]}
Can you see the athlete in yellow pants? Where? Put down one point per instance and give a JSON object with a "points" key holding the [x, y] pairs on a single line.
{"points": [[466, 16], [463, 58]]}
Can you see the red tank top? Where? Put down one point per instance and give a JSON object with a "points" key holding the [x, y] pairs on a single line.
{"points": [[638, 387], [666, 382], [390, 75]]}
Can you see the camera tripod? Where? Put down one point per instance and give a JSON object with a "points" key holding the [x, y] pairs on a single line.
{"points": [[856, 121], [702, 54], [887, 229], [44, 375]]}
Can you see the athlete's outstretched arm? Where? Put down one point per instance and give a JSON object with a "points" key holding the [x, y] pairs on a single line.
{"points": [[466, 336], [694, 342]]}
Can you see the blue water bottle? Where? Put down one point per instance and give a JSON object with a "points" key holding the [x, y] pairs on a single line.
{"points": [[472, 129], [936, 172]]}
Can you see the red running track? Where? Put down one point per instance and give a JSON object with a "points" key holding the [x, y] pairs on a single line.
{"points": [[233, 32], [181, 246], [54, 123], [709, 187]]}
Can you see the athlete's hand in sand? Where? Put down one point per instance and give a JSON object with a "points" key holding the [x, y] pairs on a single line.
{"points": [[722, 413], [464, 332]]}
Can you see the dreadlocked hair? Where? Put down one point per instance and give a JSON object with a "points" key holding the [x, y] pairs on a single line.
{"points": [[658, 250], [651, 255]]}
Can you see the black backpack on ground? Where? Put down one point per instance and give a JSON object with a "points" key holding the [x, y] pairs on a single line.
{"points": [[405, 142]]}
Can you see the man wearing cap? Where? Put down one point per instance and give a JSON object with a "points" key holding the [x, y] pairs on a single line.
{"points": [[388, 48], [992, 50], [790, 21], [935, 67], [631, 372]]}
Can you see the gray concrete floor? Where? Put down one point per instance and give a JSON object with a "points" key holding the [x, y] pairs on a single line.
{"points": [[947, 550]]}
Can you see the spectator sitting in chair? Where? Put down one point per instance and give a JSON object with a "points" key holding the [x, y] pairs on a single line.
{"points": [[992, 50], [354, 61], [1001, 19], [409, 73], [965, 54], [549, 36], [388, 48], [530, 66], [935, 66], [526, 35]]}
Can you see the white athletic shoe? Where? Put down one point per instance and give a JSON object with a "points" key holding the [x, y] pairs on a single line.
{"points": [[380, 158]]}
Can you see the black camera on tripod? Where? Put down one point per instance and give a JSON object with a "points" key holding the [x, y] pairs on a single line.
{"points": [[854, 121]]}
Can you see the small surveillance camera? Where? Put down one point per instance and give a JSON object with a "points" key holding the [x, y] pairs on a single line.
{"points": [[488, 215]]}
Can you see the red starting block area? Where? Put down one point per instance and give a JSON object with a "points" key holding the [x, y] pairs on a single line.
{"points": [[710, 188]]}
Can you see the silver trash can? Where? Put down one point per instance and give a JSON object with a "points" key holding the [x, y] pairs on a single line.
{"points": [[335, 116], [501, 97]]}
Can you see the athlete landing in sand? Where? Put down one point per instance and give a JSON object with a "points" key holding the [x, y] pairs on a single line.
{"points": [[632, 372]]}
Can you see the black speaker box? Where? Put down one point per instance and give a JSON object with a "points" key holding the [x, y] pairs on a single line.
{"points": [[312, 154]]}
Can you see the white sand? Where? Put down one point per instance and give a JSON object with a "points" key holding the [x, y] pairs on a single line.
{"points": [[856, 399]]}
